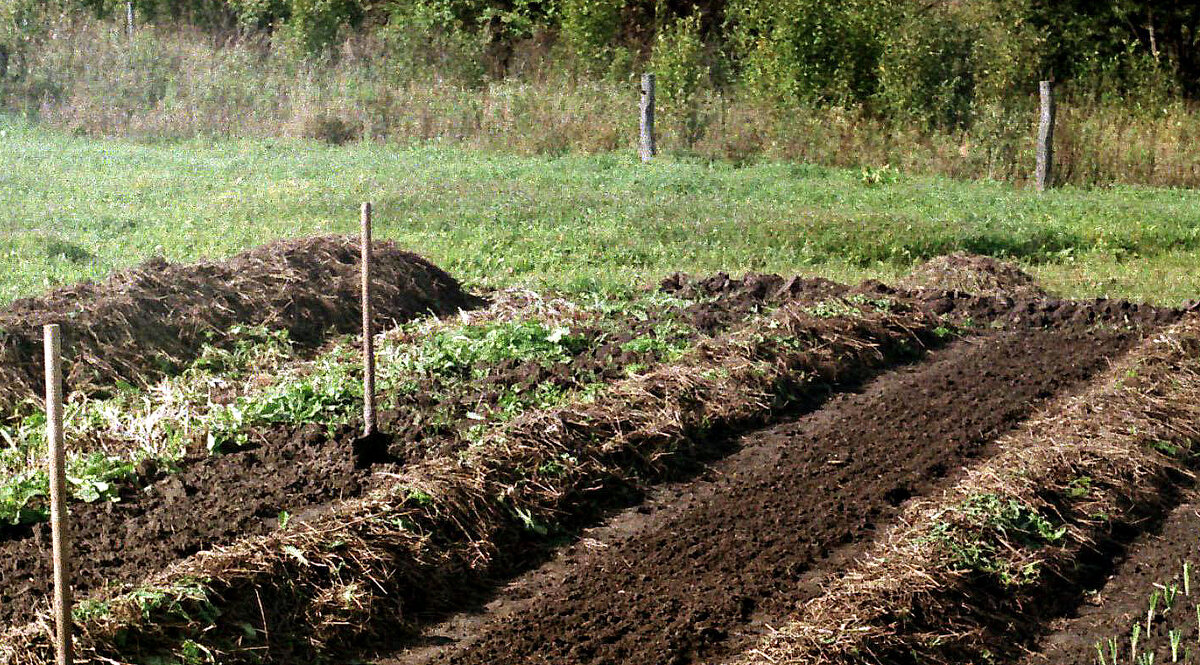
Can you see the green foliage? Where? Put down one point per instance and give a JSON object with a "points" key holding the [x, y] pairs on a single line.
{"points": [[313, 25], [591, 27], [92, 476], [24, 495], [942, 61], [251, 347], [882, 175], [469, 352], [260, 14], [436, 39], [680, 64], [23, 498], [330, 394], [985, 531], [809, 51], [90, 609]]}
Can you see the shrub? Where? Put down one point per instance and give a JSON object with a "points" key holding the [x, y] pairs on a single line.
{"points": [[680, 62], [433, 39], [590, 28], [943, 62], [313, 25], [809, 51], [330, 128]]}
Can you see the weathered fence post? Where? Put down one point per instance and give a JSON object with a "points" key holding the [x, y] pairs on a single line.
{"points": [[129, 19], [1045, 146], [649, 150], [369, 420], [58, 493]]}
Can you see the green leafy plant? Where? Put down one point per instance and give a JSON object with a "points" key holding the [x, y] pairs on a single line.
{"points": [[23, 498], [680, 64], [981, 533], [92, 476], [873, 176], [590, 28]]}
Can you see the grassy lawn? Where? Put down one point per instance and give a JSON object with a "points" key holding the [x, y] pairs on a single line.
{"points": [[78, 208]]}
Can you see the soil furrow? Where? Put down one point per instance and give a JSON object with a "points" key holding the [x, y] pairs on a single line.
{"points": [[1153, 563], [688, 577]]}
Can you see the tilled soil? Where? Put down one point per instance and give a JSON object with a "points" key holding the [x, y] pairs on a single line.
{"points": [[1154, 562], [216, 500], [716, 558], [698, 571], [210, 503]]}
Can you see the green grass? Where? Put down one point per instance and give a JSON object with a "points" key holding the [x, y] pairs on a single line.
{"points": [[78, 208]]}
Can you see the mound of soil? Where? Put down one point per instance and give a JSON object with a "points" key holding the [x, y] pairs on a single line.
{"points": [[151, 320], [720, 294], [973, 273]]}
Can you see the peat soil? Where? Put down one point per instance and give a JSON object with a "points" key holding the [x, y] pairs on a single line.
{"points": [[211, 501], [701, 568], [1152, 563]]}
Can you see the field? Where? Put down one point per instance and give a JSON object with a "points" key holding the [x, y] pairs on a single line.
{"points": [[576, 222], [863, 447]]}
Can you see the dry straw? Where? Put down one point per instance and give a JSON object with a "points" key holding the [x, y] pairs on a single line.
{"points": [[142, 322], [910, 599], [370, 567]]}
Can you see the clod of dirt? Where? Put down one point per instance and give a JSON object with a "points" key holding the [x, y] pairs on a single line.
{"points": [[150, 320], [975, 274], [723, 298]]}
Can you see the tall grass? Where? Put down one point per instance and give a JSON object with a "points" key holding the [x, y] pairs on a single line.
{"points": [[88, 77]]}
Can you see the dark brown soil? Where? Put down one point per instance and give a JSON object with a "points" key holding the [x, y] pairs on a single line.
{"points": [[209, 503], [706, 565], [214, 501], [1124, 599], [720, 294], [717, 555], [752, 292], [151, 320]]}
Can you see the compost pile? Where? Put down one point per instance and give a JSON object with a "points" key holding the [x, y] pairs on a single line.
{"points": [[150, 320]]}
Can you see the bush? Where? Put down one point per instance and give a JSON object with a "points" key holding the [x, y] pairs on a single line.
{"points": [[809, 51], [313, 25], [941, 64], [591, 27], [431, 39], [330, 128], [680, 63]]}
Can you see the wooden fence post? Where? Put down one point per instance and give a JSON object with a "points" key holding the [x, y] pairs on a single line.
{"points": [[369, 420], [1045, 146], [129, 19], [648, 147], [58, 493]]}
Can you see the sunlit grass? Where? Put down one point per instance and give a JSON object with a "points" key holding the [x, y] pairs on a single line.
{"points": [[78, 208]]}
